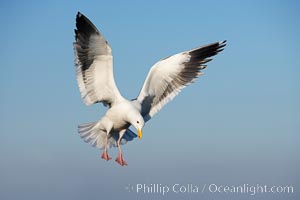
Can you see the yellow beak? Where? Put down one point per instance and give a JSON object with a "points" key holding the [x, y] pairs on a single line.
{"points": [[140, 134]]}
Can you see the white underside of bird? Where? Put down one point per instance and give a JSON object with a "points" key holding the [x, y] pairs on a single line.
{"points": [[94, 68]]}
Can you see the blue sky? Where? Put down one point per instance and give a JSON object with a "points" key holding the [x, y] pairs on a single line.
{"points": [[239, 123]]}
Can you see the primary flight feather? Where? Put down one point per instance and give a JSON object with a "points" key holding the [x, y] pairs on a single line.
{"points": [[94, 70]]}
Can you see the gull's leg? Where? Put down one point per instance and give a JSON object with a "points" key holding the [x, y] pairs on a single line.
{"points": [[105, 155], [119, 158]]}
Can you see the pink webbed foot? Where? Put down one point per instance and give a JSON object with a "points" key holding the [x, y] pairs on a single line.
{"points": [[105, 156], [120, 160]]}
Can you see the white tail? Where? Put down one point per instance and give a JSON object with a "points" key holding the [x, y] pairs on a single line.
{"points": [[92, 133]]}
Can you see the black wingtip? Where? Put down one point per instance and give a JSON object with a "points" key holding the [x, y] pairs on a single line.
{"points": [[84, 25], [78, 14], [81, 18], [223, 43], [203, 54]]}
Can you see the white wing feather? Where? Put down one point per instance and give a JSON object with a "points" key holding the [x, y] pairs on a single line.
{"points": [[94, 64], [170, 75]]}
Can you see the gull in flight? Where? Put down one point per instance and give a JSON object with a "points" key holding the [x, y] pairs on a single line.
{"points": [[94, 70]]}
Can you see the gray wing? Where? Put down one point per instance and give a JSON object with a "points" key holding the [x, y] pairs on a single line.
{"points": [[94, 64], [170, 75]]}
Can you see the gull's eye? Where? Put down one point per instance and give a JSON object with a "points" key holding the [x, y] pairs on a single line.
{"points": [[137, 122]]}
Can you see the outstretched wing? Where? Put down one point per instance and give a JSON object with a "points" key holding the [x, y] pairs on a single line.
{"points": [[170, 75], [94, 64]]}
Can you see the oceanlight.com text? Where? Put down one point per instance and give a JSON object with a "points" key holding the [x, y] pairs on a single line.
{"points": [[246, 189]]}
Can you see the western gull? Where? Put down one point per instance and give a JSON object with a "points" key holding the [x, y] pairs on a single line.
{"points": [[94, 70]]}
